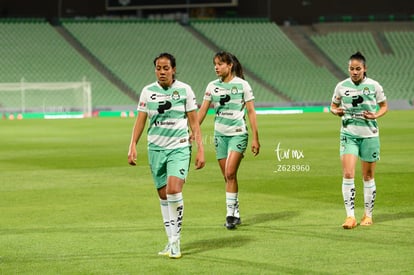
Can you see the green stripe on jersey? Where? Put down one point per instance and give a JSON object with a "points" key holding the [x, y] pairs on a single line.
{"points": [[355, 99], [229, 99], [166, 109]]}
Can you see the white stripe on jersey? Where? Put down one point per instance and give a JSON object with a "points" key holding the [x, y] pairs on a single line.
{"points": [[355, 99], [229, 99]]}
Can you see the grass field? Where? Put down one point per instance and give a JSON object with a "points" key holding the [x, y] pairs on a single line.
{"points": [[70, 203]]}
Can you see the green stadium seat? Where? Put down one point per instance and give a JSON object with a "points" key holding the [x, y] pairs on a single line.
{"points": [[34, 51]]}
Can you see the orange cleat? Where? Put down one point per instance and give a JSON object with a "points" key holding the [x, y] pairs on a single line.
{"points": [[349, 223], [366, 221]]}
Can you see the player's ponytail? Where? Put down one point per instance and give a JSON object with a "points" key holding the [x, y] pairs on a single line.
{"points": [[237, 67]]}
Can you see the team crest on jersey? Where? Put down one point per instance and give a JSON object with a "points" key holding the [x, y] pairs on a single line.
{"points": [[175, 95], [366, 91], [234, 90]]}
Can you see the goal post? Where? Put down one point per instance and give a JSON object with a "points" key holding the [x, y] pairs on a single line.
{"points": [[52, 99]]}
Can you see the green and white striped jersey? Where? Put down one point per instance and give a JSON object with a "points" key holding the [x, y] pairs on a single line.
{"points": [[229, 103], [355, 99], [166, 110]]}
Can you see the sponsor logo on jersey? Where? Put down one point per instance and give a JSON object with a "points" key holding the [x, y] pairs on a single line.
{"points": [[160, 96], [164, 123], [219, 90], [224, 113]]}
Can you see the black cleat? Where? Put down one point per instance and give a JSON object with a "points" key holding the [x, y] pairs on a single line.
{"points": [[230, 222], [237, 221]]}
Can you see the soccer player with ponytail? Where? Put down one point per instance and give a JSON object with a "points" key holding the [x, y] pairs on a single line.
{"points": [[231, 95], [171, 109], [359, 101]]}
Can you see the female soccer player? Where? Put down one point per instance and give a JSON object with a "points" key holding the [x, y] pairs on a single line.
{"points": [[231, 95], [170, 106], [355, 100]]}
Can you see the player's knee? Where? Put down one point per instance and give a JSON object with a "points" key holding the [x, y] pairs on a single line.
{"points": [[230, 177]]}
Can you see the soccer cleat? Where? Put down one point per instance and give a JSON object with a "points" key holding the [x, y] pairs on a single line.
{"points": [[175, 252], [366, 221], [230, 222], [237, 220], [165, 251], [349, 223]]}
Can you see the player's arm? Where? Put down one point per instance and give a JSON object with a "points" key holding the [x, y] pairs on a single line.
{"points": [[196, 135], [202, 112], [336, 109], [136, 134], [251, 113], [383, 108]]}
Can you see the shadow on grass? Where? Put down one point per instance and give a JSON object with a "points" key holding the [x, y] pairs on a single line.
{"points": [[266, 217], [213, 244], [235, 241], [251, 265], [393, 217]]}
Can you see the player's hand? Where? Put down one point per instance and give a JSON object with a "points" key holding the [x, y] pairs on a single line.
{"points": [[338, 111], [200, 162], [369, 115], [132, 158], [255, 148]]}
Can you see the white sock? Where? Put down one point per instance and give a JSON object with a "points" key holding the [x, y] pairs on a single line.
{"points": [[348, 193], [166, 217], [176, 210], [231, 202], [370, 191], [237, 210]]}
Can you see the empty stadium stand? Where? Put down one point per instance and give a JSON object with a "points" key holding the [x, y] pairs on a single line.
{"points": [[129, 47], [266, 51], [389, 52], [286, 65], [32, 50]]}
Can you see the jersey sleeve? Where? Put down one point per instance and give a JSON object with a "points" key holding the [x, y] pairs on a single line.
{"points": [[380, 96], [209, 90], [191, 102], [248, 92], [336, 98], [142, 105]]}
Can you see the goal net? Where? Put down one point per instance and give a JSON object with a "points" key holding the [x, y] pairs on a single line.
{"points": [[52, 99]]}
